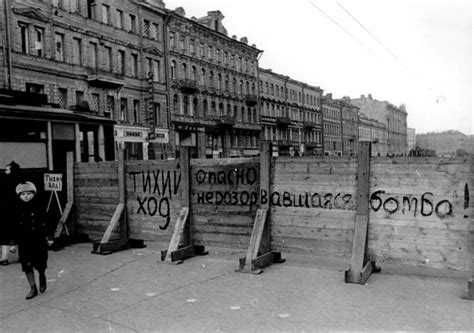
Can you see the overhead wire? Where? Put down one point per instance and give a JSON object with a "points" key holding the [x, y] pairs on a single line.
{"points": [[340, 26]]}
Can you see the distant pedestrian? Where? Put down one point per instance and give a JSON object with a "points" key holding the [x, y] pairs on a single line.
{"points": [[8, 197], [33, 235]]}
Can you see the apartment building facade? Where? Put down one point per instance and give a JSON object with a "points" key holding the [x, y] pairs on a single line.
{"points": [[374, 131], [445, 143], [291, 115], [213, 87], [349, 126], [103, 58], [332, 123], [393, 117]]}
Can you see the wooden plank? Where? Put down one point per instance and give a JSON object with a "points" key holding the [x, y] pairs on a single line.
{"points": [[310, 221], [313, 233], [265, 185], [224, 161], [235, 220], [316, 179], [227, 240], [222, 229], [461, 225], [359, 243], [113, 222], [177, 232], [256, 236], [310, 245], [315, 212], [62, 221]]}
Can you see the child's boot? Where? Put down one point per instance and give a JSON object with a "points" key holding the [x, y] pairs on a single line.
{"points": [[31, 280], [42, 282]]}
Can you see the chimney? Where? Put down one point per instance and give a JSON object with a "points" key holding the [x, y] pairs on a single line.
{"points": [[329, 95], [362, 96], [370, 96]]}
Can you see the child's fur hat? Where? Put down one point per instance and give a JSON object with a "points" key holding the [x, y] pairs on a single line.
{"points": [[25, 187]]}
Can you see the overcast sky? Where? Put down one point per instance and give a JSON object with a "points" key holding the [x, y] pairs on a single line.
{"points": [[416, 52]]}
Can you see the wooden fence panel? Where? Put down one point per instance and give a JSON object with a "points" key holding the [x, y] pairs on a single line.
{"points": [[154, 192], [312, 203], [96, 196], [224, 201], [421, 212]]}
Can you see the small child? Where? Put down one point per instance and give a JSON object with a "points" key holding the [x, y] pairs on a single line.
{"points": [[32, 236]]}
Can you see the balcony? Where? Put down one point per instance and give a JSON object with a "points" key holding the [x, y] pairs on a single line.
{"points": [[284, 143], [188, 86], [104, 79], [251, 100], [224, 121], [311, 145], [283, 121], [183, 119], [309, 125]]}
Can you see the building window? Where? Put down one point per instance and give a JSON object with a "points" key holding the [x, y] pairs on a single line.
{"points": [[121, 61], [134, 65], [119, 19], [39, 41], [133, 23], [192, 46], [76, 51], [34, 88], [201, 49], [156, 70], [211, 79], [209, 52], [226, 83], [136, 111], [155, 31], [203, 76], [79, 97], [109, 110], [62, 98], [123, 109], [157, 113], [24, 37], [219, 81], [182, 43], [75, 6], [108, 58], [175, 104], [95, 104], [204, 108], [194, 73], [172, 40], [105, 14], [185, 105], [146, 28], [185, 71], [149, 68], [193, 110], [93, 54], [173, 69], [91, 9]]}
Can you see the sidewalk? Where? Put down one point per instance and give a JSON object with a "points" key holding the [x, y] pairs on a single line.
{"points": [[130, 291]]}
